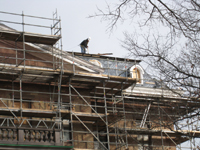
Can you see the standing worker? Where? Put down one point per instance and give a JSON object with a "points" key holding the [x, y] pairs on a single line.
{"points": [[84, 45]]}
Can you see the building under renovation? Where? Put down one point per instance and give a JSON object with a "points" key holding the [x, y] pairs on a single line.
{"points": [[53, 99]]}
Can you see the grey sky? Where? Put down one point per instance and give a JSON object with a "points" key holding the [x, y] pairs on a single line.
{"points": [[75, 24]]}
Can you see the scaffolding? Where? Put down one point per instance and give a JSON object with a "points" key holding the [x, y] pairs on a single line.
{"points": [[49, 96]]}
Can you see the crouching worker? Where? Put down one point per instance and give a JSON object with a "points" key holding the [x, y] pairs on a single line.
{"points": [[84, 45]]}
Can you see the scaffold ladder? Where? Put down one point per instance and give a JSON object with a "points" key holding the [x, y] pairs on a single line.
{"points": [[145, 115]]}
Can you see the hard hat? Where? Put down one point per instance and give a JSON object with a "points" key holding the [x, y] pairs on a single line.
{"points": [[89, 38]]}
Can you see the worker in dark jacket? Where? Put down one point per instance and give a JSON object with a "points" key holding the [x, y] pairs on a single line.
{"points": [[84, 45]]}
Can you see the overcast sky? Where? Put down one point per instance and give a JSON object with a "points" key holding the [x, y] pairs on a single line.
{"points": [[76, 26]]}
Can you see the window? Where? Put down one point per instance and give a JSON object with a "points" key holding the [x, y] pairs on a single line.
{"points": [[96, 62], [137, 72]]}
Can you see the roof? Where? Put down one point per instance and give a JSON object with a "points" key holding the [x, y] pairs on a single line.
{"points": [[69, 58], [86, 74], [104, 57], [43, 43]]}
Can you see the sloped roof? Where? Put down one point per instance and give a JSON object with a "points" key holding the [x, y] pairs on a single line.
{"points": [[103, 56], [71, 59], [7, 33]]}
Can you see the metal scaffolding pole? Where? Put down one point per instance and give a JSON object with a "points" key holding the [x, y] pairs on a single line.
{"points": [[71, 111], [188, 126], [17, 71], [16, 56], [115, 112], [105, 104], [59, 97], [89, 105], [24, 48], [21, 95], [89, 131], [124, 114], [97, 129], [161, 130], [13, 94]]}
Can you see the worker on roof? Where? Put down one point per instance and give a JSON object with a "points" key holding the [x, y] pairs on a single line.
{"points": [[84, 45]]}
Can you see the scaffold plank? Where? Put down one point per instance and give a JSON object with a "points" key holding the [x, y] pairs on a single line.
{"points": [[29, 37]]}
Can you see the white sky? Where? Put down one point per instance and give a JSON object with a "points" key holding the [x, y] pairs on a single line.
{"points": [[75, 24]]}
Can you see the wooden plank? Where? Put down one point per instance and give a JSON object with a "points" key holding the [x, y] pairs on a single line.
{"points": [[29, 37]]}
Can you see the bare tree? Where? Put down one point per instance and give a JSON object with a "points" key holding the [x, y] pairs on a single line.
{"points": [[166, 35], [172, 51]]}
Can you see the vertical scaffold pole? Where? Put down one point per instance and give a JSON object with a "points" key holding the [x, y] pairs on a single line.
{"points": [[108, 67], [13, 94], [53, 59], [95, 100], [73, 63], [20, 95], [97, 129], [59, 97], [126, 68], [116, 66], [61, 46], [71, 116], [16, 54], [122, 96], [188, 125], [23, 39], [50, 98], [105, 105], [116, 124], [59, 103], [161, 131], [52, 32]]}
